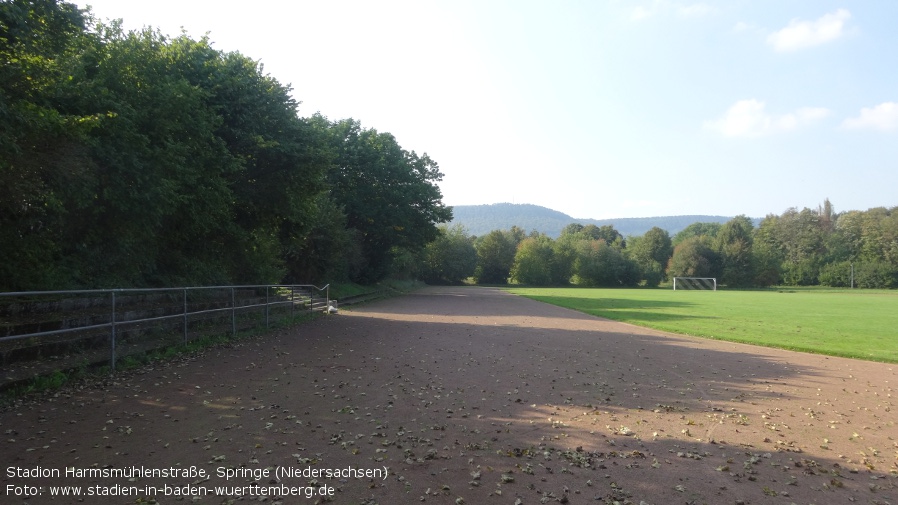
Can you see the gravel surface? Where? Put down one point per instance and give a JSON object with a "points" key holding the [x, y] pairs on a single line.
{"points": [[468, 395]]}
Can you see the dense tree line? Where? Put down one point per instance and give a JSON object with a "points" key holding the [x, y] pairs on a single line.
{"points": [[806, 247], [138, 159]]}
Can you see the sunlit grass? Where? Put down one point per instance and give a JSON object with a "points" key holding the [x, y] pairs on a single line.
{"points": [[852, 323]]}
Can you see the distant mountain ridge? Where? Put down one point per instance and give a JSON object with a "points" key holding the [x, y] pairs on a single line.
{"points": [[482, 219]]}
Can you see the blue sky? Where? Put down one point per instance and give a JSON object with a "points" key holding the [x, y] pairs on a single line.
{"points": [[599, 109]]}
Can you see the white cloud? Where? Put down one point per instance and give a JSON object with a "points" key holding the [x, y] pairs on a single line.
{"points": [[882, 117], [747, 118], [804, 34]]}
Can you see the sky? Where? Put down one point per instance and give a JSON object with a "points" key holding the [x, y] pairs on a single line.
{"points": [[598, 109]]}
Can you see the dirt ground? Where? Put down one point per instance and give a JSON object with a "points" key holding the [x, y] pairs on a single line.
{"points": [[467, 396]]}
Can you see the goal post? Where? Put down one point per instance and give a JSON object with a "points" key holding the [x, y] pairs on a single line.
{"points": [[704, 283]]}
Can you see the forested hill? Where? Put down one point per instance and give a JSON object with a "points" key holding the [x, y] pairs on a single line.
{"points": [[482, 219]]}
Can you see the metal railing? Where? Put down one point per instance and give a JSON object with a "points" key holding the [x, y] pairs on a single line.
{"points": [[36, 319]]}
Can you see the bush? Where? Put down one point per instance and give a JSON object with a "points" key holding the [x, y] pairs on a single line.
{"points": [[875, 275], [598, 264], [867, 274], [837, 275], [801, 273]]}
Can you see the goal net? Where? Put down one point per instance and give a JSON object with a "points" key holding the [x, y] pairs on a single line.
{"points": [[706, 283]]}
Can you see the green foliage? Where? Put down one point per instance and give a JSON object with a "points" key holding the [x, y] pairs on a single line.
{"points": [[837, 275], [451, 258], [733, 243], [36, 41], [607, 233], [496, 255], [599, 264], [565, 253], [330, 250], [799, 248], [803, 272], [696, 230], [767, 264], [405, 264], [768, 254], [389, 195], [876, 275], [571, 229], [533, 261], [694, 257], [136, 159], [651, 252], [800, 238]]}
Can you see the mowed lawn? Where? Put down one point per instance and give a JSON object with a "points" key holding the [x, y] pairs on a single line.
{"points": [[853, 323]]}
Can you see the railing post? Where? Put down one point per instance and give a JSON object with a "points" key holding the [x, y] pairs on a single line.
{"points": [[266, 305], [292, 304], [185, 316], [233, 313], [112, 339]]}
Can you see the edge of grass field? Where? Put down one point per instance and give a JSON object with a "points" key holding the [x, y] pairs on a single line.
{"points": [[825, 350]]}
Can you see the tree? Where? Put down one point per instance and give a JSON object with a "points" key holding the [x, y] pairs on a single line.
{"points": [[696, 230], [145, 160], [600, 264], [44, 170], [694, 257], [533, 261], [331, 252], [801, 241], [571, 229], [161, 170], [388, 194], [651, 253], [495, 256], [564, 254], [734, 245], [451, 258], [136, 159], [607, 233]]}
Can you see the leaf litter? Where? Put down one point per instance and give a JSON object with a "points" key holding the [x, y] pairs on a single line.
{"points": [[478, 406]]}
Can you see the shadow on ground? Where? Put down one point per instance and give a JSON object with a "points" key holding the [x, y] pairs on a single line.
{"points": [[469, 395]]}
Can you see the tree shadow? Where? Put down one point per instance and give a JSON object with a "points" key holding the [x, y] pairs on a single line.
{"points": [[467, 298], [484, 398]]}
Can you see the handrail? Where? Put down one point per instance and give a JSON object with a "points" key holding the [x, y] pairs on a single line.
{"points": [[115, 321], [150, 290]]}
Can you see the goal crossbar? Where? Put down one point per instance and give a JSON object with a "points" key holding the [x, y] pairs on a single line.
{"points": [[681, 283]]}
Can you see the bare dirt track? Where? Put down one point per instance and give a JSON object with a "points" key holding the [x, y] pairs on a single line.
{"points": [[472, 395]]}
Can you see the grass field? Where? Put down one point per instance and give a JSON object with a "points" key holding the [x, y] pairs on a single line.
{"points": [[857, 323]]}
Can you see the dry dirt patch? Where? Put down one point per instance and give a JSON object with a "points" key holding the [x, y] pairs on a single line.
{"points": [[472, 395]]}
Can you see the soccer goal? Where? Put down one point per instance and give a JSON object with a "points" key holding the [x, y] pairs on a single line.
{"points": [[706, 283]]}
